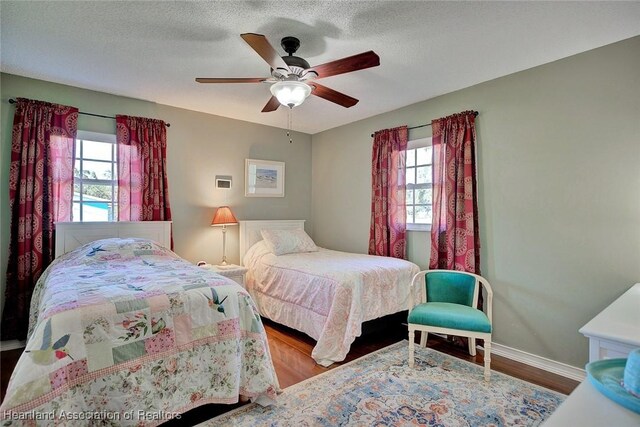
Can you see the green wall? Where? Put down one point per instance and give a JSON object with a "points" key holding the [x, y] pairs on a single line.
{"points": [[559, 184], [200, 146], [559, 191]]}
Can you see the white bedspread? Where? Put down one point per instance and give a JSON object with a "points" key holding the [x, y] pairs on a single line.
{"points": [[327, 294]]}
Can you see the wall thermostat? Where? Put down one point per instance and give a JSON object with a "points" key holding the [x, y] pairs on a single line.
{"points": [[223, 181]]}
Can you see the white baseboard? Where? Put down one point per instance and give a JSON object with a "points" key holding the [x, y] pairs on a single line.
{"points": [[536, 361], [11, 345], [540, 362]]}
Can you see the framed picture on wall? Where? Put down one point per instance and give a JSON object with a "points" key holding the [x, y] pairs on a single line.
{"points": [[263, 178]]}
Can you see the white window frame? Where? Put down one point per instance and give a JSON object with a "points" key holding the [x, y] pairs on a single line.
{"points": [[413, 144], [98, 137]]}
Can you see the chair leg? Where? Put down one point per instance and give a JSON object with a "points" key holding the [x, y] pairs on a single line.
{"points": [[487, 358], [472, 346], [412, 337], [423, 338]]}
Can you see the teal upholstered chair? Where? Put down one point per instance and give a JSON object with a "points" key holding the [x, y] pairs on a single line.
{"points": [[448, 306]]}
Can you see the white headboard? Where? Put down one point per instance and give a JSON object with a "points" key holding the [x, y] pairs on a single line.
{"points": [[250, 231], [70, 235]]}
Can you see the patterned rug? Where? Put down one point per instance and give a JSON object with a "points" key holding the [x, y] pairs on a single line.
{"points": [[381, 390]]}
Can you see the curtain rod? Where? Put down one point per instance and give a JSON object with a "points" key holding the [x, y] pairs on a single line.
{"points": [[475, 113], [13, 101]]}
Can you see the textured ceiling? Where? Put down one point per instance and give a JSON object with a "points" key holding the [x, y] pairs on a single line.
{"points": [[153, 50]]}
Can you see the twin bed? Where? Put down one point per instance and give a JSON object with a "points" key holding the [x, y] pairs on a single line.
{"points": [[125, 332], [323, 293], [125, 328]]}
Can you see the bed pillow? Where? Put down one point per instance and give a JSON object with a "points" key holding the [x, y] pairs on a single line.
{"points": [[282, 242], [119, 248]]}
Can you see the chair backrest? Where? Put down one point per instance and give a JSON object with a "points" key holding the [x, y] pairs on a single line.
{"points": [[451, 286]]}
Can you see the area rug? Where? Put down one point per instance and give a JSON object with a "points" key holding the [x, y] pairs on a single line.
{"points": [[381, 390]]}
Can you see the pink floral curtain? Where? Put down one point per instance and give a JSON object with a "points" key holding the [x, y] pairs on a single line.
{"points": [[387, 234], [143, 192], [455, 242], [40, 194]]}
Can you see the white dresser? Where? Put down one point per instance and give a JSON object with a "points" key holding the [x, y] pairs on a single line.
{"points": [[615, 331], [587, 407]]}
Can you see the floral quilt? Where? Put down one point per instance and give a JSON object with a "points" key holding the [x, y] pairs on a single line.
{"points": [[125, 332]]}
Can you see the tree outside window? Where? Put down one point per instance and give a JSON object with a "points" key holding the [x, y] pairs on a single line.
{"points": [[95, 189], [419, 191]]}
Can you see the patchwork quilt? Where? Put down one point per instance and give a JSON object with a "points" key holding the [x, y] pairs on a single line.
{"points": [[125, 332]]}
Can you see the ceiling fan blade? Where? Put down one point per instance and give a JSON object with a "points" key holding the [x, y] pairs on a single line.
{"points": [[332, 95], [346, 65], [231, 80], [261, 45], [272, 105]]}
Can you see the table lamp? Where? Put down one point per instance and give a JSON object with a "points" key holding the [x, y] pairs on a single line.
{"points": [[222, 218]]}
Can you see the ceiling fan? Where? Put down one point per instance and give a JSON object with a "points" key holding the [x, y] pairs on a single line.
{"points": [[293, 79]]}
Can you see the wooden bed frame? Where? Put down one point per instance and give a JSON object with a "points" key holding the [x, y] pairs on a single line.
{"points": [[70, 235], [250, 231]]}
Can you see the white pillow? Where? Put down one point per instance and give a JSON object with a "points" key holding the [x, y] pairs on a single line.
{"points": [[282, 242]]}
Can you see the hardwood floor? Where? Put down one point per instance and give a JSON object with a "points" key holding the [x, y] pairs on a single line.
{"points": [[291, 353], [8, 360]]}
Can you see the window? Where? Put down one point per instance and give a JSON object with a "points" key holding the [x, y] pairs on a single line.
{"points": [[95, 182], [418, 184]]}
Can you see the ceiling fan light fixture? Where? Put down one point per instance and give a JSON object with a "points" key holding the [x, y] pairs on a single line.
{"points": [[290, 93]]}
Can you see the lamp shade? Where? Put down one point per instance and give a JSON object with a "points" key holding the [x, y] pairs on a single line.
{"points": [[224, 216], [290, 93]]}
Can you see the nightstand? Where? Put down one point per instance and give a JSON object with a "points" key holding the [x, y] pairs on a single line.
{"points": [[232, 271]]}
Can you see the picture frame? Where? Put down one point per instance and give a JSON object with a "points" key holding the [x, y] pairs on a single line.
{"points": [[263, 178]]}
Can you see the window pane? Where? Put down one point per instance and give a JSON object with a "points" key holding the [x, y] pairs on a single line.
{"points": [[97, 150], [411, 157], [98, 193], [411, 176], [114, 212], [409, 214], [424, 175], [423, 196], [409, 197], [94, 201], [95, 211], [423, 214], [76, 169], [76, 193], [424, 155], [76, 212], [96, 170]]}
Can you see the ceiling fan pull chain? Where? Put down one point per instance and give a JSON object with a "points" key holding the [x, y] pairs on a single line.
{"points": [[289, 123]]}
